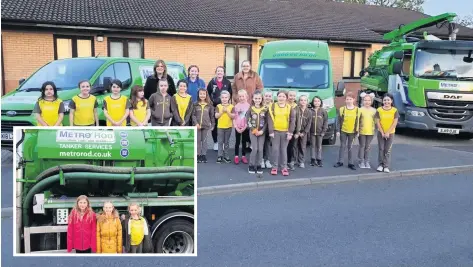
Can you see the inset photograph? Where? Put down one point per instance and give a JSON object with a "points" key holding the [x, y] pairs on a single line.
{"points": [[108, 191]]}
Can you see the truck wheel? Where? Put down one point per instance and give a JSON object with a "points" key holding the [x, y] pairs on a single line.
{"points": [[466, 136], [175, 237]]}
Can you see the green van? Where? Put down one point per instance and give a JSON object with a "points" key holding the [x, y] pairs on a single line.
{"points": [[305, 67], [17, 106]]}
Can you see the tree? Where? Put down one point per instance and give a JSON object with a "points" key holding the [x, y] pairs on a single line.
{"points": [[466, 21], [415, 5]]}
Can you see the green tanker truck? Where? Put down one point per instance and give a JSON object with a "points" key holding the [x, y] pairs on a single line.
{"points": [[431, 79], [153, 168]]}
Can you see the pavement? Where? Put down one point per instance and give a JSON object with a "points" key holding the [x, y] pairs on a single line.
{"points": [[404, 157], [421, 221]]}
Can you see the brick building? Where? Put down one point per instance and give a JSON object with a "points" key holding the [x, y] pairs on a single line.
{"points": [[205, 32]]}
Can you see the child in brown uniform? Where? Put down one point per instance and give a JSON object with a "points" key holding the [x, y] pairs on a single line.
{"points": [[203, 117], [257, 119], [160, 105], [303, 123], [319, 125]]}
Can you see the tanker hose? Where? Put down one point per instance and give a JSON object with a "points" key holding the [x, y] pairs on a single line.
{"points": [[104, 169], [49, 181]]}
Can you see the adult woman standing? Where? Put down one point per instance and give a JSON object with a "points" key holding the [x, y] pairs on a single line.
{"points": [[247, 80], [194, 82], [218, 84], [160, 70]]}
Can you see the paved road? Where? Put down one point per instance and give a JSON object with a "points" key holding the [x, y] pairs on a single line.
{"points": [[7, 179], [422, 221], [404, 157]]}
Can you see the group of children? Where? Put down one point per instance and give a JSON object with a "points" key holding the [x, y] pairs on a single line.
{"points": [[105, 232], [282, 129]]}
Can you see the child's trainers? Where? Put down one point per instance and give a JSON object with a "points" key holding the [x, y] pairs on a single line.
{"points": [[215, 146], [319, 163], [204, 159], [312, 162], [274, 171], [262, 164], [367, 165], [199, 158], [244, 160], [251, 169], [236, 160], [338, 164], [362, 165], [380, 168], [302, 165], [386, 170], [268, 164], [227, 160], [259, 170], [219, 159], [285, 172], [291, 166]]}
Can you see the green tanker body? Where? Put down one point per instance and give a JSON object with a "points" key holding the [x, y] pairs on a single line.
{"points": [[154, 168], [431, 79]]}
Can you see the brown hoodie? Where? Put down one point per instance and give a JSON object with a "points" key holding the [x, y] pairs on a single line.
{"points": [[160, 107], [204, 116]]}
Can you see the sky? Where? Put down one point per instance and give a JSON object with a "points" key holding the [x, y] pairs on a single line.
{"points": [[437, 7]]}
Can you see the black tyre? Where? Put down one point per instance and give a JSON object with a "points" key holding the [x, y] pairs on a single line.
{"points": [[175, 237], [466, 136]]}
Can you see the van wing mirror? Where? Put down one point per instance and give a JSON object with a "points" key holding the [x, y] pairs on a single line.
{"points": [[340, 91], [22, 80], [397, 68], [399, 55]]}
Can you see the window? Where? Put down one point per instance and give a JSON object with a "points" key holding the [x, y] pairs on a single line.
{"points": [[73, 46], [132, 48], [120, 71], [353, 63], [234, 55]]}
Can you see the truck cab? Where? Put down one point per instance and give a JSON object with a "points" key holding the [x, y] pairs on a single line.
{"points": [[17, 106], [305, 67]]}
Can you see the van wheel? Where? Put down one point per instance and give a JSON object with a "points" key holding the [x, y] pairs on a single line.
{"points": [[175, 237], [466, 136]]}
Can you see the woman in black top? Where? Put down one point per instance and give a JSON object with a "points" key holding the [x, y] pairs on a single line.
{"points": [[214, 88], [160, 70]]}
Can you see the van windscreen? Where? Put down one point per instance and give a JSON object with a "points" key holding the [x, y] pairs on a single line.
{"points": [[295, 73], [66, 74]]}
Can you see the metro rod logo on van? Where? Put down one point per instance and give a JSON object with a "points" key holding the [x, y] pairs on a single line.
{"points": [[294, 54], [85, 136], [449, 85]]}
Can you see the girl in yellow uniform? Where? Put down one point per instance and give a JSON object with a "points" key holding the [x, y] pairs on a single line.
{"points": [[348, 129], [367, 129], [224, 113], [136, 232], [139, 111], [181, 105], [203, 117], [49, 109], [84, 107], [386, 118], [282, 123], [109, 230], [116, 106]]}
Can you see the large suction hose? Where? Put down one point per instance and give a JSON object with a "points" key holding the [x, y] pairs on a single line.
{"points": [[48, 181], [104, 169]]}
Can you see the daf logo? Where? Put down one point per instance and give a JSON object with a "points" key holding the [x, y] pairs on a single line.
{"points": [[452, 96], [11, 113]]}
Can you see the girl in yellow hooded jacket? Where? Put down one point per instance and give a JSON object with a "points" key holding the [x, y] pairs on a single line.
{"points": [[109, 230]]}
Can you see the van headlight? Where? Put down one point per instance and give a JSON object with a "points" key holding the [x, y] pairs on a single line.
{"points": [[66, 104], [329, 103]]}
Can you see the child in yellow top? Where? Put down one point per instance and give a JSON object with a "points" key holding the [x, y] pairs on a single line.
{"points": [[366, 130], [224, 112], [140, 112], [136, 231], [49, 109], [181, 105], [282, 123], [386, 119], [84, 107], [348, 129], [116, 106]]}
